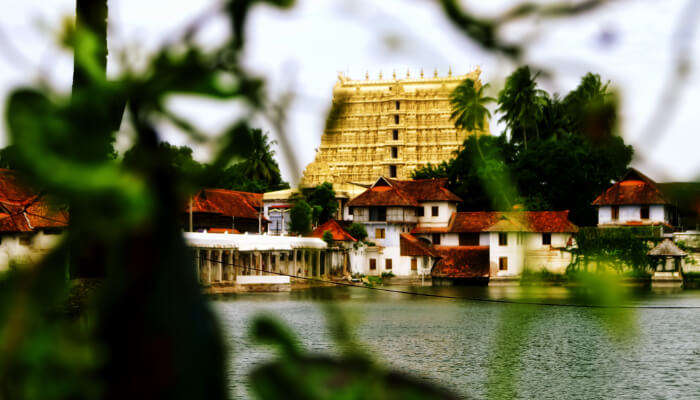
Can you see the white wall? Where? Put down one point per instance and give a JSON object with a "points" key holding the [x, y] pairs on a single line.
{"points": [[631, 213], [12, 249], [401, 266], [445, 211]]}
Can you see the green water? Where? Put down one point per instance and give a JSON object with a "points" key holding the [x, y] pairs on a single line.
{"points": [[482, 350]]}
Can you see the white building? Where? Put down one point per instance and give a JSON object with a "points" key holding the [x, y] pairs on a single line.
{"points": [[389, 210], [633, 201], [515, 240], [29, 226]]}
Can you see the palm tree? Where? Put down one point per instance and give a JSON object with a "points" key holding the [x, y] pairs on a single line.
{"points": [[260, 163], [521, 104], [469, 106]]}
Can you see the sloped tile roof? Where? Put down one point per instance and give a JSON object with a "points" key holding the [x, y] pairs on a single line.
{"points": [[24, 210], [667, 248], [227, 202], [462, 262], [337, 230], [634, 188], [511, 221], [410, 193], [411, 246]]}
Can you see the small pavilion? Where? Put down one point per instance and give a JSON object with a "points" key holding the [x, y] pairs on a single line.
{"points": [[223, 259], [668, 262]]}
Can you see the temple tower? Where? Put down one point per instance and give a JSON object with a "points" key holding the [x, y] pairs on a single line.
{"points": [[387, 127]]}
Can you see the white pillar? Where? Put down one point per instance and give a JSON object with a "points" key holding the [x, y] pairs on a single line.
{"points": [[318, 263], [220, 265], [232, 266], [268, 267]]}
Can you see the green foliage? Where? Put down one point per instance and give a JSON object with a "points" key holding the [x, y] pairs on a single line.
{"points": [[322, 200], [300, 217], [358, 231], [560, 156], [243, 175], [387, 274], [521, 104], [619, 249], [531, 277], [328, 238], [469, 106]]}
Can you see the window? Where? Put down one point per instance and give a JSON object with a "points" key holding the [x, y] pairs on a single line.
{"points": [[379, 233], [435, 211], [394, 152], [503, 239], [436, 238], [387, 263], [502, 263], [377, 213], [615, 213], [396, 119], [547, 238], [469, 239], [395, 133], [25, 240], [644, 212], [372, 263], [420, 211], [398, 105], [414, 264], [351, 210], [392, 171]]}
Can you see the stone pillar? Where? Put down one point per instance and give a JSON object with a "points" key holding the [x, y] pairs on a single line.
{"points": [[318, 263], [196, 265], [269, 262], [220, 265], [236, 265], [207, 255], [230, 267], [294, 254], [233, 260], [258, 263]]}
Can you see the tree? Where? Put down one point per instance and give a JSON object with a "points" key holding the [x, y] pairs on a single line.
{"points": [[469, 106], [322, 200], [358, 231], [300, 217], [328, 238], [521, 104]]}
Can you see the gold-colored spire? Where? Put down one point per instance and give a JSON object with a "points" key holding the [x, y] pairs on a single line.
{"points": [[421, 73], [449, 73], [435, 74], [394, 74], [408, 73], [380, 75], [367, 75]]}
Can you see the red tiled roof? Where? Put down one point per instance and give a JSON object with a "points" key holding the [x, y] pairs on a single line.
{"points": [[518, 221], [337, 230], [392, 192], [462, 262], [227, 202], [412, 246], [633, 188], [23, 210]]}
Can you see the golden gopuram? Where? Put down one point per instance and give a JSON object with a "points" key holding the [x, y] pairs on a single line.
{"points": [[387, 127]]}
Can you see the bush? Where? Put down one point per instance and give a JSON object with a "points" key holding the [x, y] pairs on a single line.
{"points": [[328, 238], [300, 216], [358, 231], [388, 274]]}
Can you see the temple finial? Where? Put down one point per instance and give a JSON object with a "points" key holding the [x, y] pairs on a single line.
{"points": [[367, 75], [449, 73], [408, 72], [421, 73], [380, 75], [394, 74], [435, 74]]}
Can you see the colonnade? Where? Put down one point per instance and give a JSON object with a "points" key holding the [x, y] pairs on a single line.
{"points": [[223, 266]]}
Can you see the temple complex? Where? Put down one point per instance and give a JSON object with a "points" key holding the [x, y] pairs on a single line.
{"points": [[387, 127]]}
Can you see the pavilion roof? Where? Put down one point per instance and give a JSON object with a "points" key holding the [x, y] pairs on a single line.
{"points": [[634, 188], [667, 248]]}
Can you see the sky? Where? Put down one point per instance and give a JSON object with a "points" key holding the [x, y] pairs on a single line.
{"points": [[631, 43]]}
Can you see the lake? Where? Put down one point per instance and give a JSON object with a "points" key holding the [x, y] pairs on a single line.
{"points": [[537, 352]]}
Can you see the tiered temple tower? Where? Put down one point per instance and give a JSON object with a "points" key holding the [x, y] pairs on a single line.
{"points": [[387, 127]]}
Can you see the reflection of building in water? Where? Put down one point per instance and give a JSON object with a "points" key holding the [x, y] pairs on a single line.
{"points": [[387, 127]]}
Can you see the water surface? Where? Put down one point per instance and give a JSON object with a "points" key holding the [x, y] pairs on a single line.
{"points": [[477, 348]]}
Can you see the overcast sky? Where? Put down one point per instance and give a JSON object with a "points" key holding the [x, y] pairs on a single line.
{"points": [[630, 43]]}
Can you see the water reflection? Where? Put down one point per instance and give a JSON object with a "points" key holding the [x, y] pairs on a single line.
{"points": [[495, 350]]}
